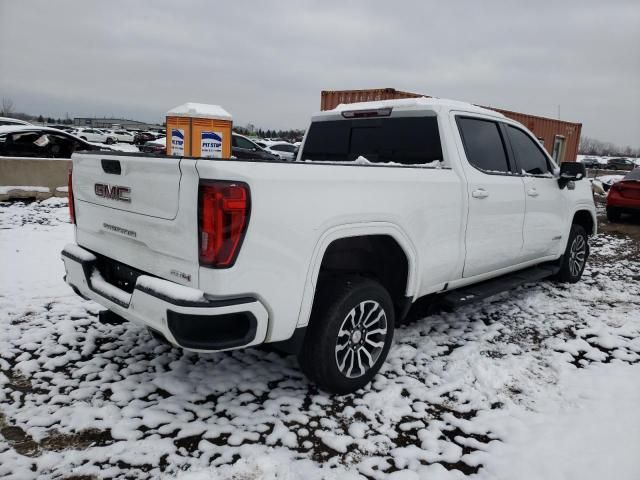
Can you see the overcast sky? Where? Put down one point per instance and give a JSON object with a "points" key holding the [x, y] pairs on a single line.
{"points": [[267, 63]]}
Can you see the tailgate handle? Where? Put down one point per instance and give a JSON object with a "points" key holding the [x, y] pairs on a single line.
{"points": [[111, 166]]}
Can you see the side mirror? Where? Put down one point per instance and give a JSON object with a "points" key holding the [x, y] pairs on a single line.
{"points": [[571, 172]]}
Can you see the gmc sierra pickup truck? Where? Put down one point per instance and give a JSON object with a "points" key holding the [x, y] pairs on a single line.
{"points": [[387, 203]]}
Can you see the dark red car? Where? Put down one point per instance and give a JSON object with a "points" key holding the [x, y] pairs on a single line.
{"points": [[624, 196]]}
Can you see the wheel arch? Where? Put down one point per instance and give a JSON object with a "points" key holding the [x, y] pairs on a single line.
{"points": [[355, 233], [586, 218]]}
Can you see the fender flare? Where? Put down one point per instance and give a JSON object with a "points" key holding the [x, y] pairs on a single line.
{"points": [[356, 230], [586, 207]]}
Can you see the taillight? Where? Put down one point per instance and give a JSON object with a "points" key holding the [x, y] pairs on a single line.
{"points": [[223, 213], [72, 207]]}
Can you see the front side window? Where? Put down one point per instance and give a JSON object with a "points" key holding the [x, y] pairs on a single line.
{"points": [[244, 143], [403, 140], [483, 144], [528, 154]]}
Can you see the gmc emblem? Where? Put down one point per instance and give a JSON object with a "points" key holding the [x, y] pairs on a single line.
{"points": [[114, 192]]}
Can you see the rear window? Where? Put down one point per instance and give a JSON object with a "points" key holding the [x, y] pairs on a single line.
{"points": [[404, 140], [633, 174]]}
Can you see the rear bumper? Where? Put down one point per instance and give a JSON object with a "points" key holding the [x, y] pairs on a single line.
{"points": [[185, 316]]}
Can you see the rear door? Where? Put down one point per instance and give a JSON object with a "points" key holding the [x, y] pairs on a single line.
{"points": [[140, 211], [493, 238], [545, 208]]}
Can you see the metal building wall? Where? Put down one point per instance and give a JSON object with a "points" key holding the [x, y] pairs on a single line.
{"points": [[546, 129]]}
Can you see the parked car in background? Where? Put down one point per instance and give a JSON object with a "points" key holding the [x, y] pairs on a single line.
{"points": [[95, 135], [122, 135], [243, 148], [285, 151], [624, 196], [12, 121], [157, 146], [591, 163], [140, 138], [44, 142], [620, 164]]}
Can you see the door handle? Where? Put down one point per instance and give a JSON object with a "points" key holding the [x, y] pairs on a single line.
{"points": [[480, 193], [532, 192]]}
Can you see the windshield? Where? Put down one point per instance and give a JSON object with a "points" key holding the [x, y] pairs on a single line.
{"points": [[403, 140], [633, 174]]}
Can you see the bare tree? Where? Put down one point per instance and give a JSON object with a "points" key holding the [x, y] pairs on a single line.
{"points": [[7, 106]]}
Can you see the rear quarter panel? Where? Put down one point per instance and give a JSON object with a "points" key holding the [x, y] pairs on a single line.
{"points": [[296, 207]]}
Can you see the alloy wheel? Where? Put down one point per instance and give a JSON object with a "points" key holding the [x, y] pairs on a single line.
{"points": [[577, 255], [361, 339]]}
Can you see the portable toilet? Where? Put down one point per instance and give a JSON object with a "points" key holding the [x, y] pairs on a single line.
{"points": [[199, 130]]}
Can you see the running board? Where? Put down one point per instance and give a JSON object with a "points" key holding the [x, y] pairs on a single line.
{"points": [[488, 288]]}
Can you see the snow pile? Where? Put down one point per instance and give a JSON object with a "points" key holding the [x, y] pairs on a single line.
{"points": [[539, 382], [4, 189], [602, 402]]}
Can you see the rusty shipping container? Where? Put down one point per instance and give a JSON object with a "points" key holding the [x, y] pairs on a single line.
{"points": [[558, 137]]}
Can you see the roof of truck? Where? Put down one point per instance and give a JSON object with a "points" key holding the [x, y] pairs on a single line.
{"points": [[410, 104]]}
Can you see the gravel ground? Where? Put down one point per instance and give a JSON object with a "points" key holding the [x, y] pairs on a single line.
{"points": [[80, 399]]}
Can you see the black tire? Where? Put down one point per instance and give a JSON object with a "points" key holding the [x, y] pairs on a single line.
{"points": [[109, 141], [613, 214], [575, 256], [320, 355]]}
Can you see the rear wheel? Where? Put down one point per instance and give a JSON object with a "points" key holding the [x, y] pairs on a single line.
{"points": [[575, 256], [109, 141], [613, 214], [349, 334]]}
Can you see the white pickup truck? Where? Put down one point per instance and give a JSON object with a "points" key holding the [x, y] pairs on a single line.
{"points": [[388, 203]]}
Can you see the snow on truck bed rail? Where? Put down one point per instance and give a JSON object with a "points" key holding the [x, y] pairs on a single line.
{"points": [[539, 382]]}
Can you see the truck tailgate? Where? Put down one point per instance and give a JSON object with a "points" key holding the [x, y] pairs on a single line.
{"points": [[140, 211]]}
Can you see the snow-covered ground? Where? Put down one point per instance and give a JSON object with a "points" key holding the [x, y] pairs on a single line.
{"points": [[539, 383]]}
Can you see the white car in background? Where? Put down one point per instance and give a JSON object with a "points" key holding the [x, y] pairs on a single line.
{"points": [[283, 150], [121, 135], [95, 135]]}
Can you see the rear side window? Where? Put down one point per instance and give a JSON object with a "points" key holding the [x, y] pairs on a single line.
{"points": [[283, 148], [483, 144], [403, 140], [528, 154]]}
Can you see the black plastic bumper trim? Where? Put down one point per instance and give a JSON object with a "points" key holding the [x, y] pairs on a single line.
{"points": [[87, 267], [212, 332]]}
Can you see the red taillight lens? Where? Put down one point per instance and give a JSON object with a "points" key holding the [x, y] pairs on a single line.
{"points": [[72, 207], [223, 211]]}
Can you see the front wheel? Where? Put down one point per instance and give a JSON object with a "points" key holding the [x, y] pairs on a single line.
{"points": [[575, 256], [349, 333]]}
